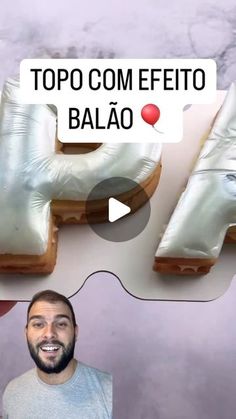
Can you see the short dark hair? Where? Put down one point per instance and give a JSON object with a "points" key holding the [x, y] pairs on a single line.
{"points": [[51, 297]]}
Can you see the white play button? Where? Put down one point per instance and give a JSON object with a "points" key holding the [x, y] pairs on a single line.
{"points": [[106, 211], [116, 210]]}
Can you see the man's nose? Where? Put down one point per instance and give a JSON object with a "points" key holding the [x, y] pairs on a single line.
{"points": [[49, 331]]}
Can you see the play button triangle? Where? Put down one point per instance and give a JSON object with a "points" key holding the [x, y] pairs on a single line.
{"points": [[116, 210]]}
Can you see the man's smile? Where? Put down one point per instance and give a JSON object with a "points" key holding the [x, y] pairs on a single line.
{"points": [[49, 348]]}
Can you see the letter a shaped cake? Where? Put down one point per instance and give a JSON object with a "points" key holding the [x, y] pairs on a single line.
{"points": [[206, 212], [43, 186]]}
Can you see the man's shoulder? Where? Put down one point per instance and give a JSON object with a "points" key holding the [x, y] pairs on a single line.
{"points": [[102, 376], [19, 382], [100, 383]]}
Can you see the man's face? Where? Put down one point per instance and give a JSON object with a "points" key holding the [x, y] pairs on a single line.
{"points": [[51, 336]]}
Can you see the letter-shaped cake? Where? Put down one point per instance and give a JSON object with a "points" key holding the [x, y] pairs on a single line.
{"points": [[41, 186], [206, 211]]}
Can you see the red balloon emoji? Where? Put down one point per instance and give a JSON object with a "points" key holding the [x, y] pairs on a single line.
{"points": [[150, 113]]}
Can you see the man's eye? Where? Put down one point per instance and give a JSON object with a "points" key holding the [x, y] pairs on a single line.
{"points": [[37, 325], [62, 324]]}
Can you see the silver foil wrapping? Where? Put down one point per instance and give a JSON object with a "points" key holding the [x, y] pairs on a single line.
{"points": [[207, 207], [32, 174]]}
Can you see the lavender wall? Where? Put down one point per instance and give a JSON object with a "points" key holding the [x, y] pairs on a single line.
{"points": [[169, 360]]}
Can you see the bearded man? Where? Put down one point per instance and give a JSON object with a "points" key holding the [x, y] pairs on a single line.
{"points": [[60, 386]]}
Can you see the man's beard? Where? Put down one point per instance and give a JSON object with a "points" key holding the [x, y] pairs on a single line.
{"points": [[60, 364]]}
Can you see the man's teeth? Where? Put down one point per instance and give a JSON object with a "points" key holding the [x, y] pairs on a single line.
{"points": [[49, 348]]}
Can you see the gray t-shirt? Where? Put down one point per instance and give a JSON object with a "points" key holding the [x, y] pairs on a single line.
{"points": [[87, 395]]}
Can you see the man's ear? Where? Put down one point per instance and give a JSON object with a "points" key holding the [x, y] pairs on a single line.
{"points": [[76, 332]]}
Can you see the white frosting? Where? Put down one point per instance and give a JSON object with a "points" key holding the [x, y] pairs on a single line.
{"points": [[32, 174], [207, 208]]}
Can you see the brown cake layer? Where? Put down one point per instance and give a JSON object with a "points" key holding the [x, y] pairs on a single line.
{"points": [[183, 266]]}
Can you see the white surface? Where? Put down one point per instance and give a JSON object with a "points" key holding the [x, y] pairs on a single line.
{"points": [[116, 210], [81, 252]]}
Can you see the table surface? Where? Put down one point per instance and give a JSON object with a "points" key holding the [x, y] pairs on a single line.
{"points": [[81, 252]]}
